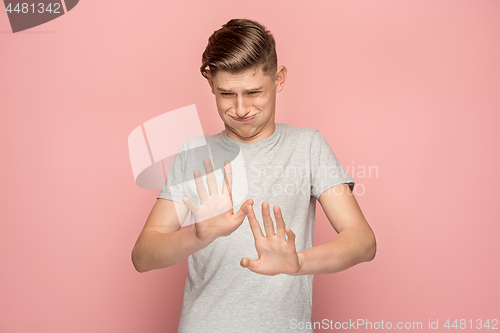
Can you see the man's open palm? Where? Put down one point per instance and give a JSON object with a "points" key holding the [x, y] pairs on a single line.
{"points": [[214, 217], [277, 254]]}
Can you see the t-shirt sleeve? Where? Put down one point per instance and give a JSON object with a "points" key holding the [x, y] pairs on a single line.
{"points": [[173, 188], [326, 170]]}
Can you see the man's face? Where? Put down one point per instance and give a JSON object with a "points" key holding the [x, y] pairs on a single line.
{"points": [[246, 102]]}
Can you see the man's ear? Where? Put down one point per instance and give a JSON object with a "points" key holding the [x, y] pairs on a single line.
{"points": [[280, 78]]}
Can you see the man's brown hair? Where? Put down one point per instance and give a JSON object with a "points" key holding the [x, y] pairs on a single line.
{"points": [[239, 45]]}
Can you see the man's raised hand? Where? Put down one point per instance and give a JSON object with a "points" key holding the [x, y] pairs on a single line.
{"points": [[214, 217], [277, 254]]}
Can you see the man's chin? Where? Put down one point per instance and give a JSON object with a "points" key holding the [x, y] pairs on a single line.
{"points": [[244, 132]]}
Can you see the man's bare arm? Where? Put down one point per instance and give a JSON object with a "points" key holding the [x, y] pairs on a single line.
{"points": [[355, 242], [162, 243]]}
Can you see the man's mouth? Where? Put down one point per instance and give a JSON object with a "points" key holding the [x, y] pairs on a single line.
{"points": [[243, 119]]}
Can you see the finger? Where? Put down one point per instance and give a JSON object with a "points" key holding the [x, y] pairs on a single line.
{"points": [[189, 204], [228, 178], [280, 223], [268, 221], [249, 263], [200, 187], [254, 224], [291, 237], [211, 182]]}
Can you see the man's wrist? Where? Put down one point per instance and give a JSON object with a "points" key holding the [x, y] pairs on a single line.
{"points": [[203, 242], [300, 260]]}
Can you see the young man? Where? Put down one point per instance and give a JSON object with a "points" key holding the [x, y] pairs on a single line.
{"points": [[241, 279]]}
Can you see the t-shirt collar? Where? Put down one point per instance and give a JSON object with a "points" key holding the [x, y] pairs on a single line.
{"points": [[271, 138]]}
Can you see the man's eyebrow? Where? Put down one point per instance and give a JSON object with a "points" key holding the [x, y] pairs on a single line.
{"points": [[229, 90]]}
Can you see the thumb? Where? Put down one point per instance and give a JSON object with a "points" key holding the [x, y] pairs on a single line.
{"points": [[248, 263], [242, 212], [291, 236], [189, 204]]}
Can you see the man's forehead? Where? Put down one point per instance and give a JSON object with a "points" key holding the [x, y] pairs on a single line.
{"points": [[252, 79], [252, 73]]}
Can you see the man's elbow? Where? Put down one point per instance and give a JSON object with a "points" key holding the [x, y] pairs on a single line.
{"points": [[137, 263], [370, 247]]}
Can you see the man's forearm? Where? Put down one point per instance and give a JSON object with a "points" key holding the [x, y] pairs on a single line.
{"points": [[155, 250], [350, 247]]}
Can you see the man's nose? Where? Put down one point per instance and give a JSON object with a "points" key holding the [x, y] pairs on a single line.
{"points": [[240, 107]]}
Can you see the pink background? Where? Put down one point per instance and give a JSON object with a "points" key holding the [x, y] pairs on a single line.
{"points": [[409, 87]]}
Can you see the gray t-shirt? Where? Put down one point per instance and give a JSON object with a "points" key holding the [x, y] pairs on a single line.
{"points": [[290, 169]]}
